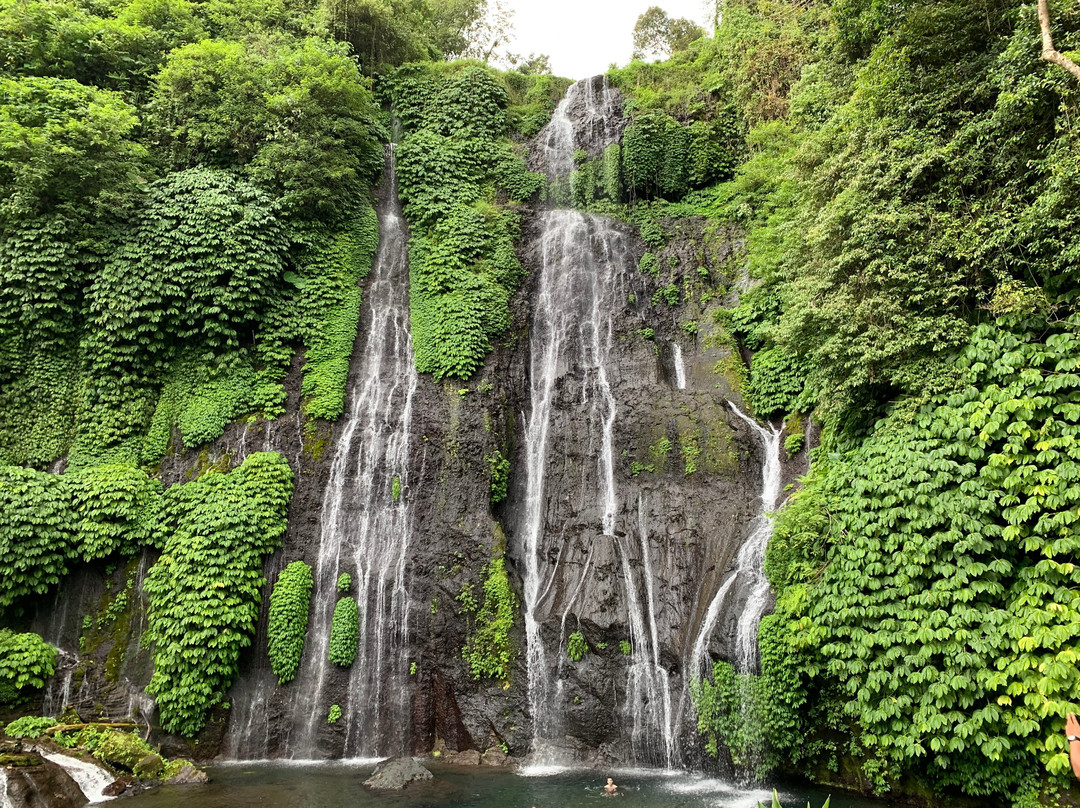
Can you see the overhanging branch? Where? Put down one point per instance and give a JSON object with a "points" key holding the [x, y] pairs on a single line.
{"points": [[1049, 53]]}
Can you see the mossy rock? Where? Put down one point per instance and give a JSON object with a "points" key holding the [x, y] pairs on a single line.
{"points": [[20, 761], [150, 766], [123, 749]]}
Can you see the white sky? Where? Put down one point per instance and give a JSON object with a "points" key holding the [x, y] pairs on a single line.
{"points": [[583, 37]]}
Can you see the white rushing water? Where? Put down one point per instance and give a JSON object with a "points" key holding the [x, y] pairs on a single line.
{"points": [[581, 286], [680, 366], [653, 735], [749, 564], [364, 528], [91, 779], [5, 801]]}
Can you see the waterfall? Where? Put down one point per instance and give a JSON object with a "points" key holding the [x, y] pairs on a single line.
{"points": [[91, 779], [5, 801], [364, 528], [749, 564], [648, 690], [586, 273], [582, 287], [680, 366], [589, 118]]}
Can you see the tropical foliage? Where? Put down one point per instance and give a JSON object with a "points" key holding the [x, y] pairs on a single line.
{"points": [[290, 603]]}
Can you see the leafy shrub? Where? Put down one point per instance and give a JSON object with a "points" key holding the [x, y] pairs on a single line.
{"points": [[344, 633], [289, 605], [490, 650], [334, 715], [949, 523], [794, 443], [728, 713], [37, 532], [65, 146], [776, 380], [344, 582], [205, 589], [296, 118], [500, 476], [453, 166], [196, 294], [330, 269], [649, 264], [625, 647], [117, 509], [576, 646], [29, 726], [26, 661]]}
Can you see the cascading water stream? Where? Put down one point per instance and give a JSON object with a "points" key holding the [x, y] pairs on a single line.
{"points": [[680, 366], [585, 276], [749, 564], [364, 526], [91, 779], [365, 520], [648, 689], [582, 278]]}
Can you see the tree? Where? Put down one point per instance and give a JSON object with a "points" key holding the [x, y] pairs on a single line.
{"points": [[490, 32], [65, 147], [535, 64], [657, 36], [298, 119]]}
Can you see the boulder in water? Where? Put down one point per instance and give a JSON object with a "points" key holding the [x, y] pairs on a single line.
{"points": [[396, 773], [183, 773], [149, 766], [470, 757], [495, 757]]}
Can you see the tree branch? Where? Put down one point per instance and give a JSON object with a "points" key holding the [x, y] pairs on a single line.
{"points": [[1049, 53]]}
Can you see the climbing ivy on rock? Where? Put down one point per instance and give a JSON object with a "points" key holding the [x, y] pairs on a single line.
{"points": [[344, 632], [37, 533], [457, 172], [490, 651], [289, 605], [204, 591], [116, 509], [195, 270], [26, 661]]}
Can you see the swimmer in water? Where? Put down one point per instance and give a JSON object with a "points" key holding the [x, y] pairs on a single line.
{"points": [[611, 789]]}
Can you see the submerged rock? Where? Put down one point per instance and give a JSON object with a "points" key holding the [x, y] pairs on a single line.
{"points": [[396, 773]]}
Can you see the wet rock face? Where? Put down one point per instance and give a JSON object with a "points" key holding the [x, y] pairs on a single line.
{"points": [[686, 486], [45, 785]]}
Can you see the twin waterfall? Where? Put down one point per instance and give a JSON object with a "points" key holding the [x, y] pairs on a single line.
{"points": [[632, 581]]}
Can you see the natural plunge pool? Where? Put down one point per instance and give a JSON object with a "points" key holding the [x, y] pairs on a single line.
{"points": [[339, 785]]}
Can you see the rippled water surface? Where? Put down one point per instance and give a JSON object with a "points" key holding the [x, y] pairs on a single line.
{"points": [[339, 785]]}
